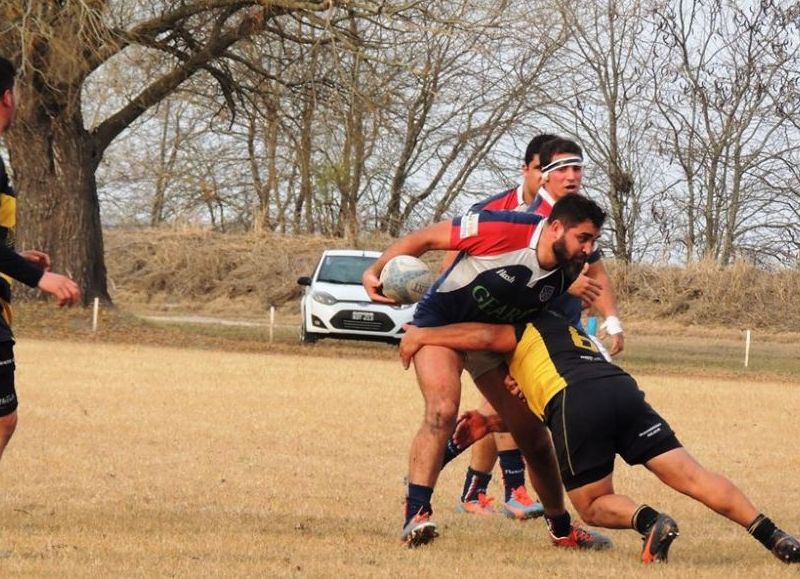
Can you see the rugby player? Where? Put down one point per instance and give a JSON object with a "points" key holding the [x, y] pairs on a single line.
{"points": [[30, 267], [595, 410], [541, 188], [510, 266]]}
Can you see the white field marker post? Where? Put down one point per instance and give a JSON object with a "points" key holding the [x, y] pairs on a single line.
{"points": [[271, 321], [95, 311], [747, 348]]}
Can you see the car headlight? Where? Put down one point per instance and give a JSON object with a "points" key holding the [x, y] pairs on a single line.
{"points": [[402, 306], [323, 298]]}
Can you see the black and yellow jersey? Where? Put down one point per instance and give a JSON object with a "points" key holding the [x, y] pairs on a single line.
{"points": [[12, 265], [8, 224], [551, 354]]}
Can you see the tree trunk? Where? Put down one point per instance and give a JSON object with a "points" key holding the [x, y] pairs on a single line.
{"points": [[54, 165]]}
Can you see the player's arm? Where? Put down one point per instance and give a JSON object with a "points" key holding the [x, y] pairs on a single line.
{"points": [[464, 337], [28, 269], [437, 236], [18, 267], [606, 304]]}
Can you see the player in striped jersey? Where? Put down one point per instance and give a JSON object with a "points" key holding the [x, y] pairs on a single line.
{"points": [[511, 264], [563, 162]]}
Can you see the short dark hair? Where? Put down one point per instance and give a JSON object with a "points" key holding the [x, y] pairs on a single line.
{"points": [[574, 209], [558, 146], [7, 74], [535, 146]]}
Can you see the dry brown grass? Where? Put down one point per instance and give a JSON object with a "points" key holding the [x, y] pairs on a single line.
{"points": [[203, 271], [139, 461], [243, 274], [705, 294]]}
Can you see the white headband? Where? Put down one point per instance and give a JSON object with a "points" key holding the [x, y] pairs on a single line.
{"points": [[565, 162]]}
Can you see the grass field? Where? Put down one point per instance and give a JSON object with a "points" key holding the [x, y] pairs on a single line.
{"points": [[154, 461]]}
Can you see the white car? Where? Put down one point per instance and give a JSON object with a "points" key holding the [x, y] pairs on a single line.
{"points": [[335, 304]]}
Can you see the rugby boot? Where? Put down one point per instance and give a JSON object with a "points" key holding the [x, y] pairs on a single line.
{"points": [[580, 538], [785, 547], [658, 539], [420, 530], [481, 506], [521, 506]]}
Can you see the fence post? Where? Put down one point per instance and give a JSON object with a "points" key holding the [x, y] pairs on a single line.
{"points": [[95, 310], [747, 348], [271, 321]]}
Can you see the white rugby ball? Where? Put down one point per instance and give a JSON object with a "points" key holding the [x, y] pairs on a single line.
{"points": [[405, 279]]}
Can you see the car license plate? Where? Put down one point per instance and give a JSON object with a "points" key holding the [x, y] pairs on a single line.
{"points": [[364, 316]]}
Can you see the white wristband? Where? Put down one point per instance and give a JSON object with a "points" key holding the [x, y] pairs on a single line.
{"points": [[612, 325]]}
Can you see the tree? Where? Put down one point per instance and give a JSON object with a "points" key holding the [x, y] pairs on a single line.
{"points": [[603, 102], [57, 45], [723, 75]]}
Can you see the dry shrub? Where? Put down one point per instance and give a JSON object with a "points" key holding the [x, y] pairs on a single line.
{"points": [[705, 293], [213, 272], [205, 271]]}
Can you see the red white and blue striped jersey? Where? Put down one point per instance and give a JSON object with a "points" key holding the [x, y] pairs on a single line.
{"points": [[511, 200], [496, 277]]}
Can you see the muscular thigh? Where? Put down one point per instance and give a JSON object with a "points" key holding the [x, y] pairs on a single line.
{"points": [[439, 373]]}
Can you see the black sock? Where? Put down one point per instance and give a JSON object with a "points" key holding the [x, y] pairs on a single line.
{"points": [[418, 500], [475, 483], [450, 451], [560, 526], [643, 519], [762, 528], [513, 469]]}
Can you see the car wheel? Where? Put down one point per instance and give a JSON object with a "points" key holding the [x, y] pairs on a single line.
{"points": [[305, 336]]}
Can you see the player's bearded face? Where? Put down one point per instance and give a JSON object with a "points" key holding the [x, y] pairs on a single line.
{"points": [[571, 261]]}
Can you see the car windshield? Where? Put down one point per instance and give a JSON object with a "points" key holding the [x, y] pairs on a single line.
{"points": [[344, 268]]}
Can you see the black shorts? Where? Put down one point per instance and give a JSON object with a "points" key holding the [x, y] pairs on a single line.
{"points": [[8, 395], [591, 422]]}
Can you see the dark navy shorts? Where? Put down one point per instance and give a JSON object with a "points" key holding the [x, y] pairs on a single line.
{"points": [[8, 395], [593, 421]]}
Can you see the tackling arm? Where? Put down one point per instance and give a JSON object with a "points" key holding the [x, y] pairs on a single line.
{"points": [[463, 337]]}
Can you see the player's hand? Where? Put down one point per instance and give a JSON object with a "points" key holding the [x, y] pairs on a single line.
{"points": [[39, 258], [409, 344], [513, 387], [373, 285], [472, 426], [61, 287], [585, 288]]}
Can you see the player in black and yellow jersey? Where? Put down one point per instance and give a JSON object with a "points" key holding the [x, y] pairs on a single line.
{"points": [[595, 410], [30, 267]]}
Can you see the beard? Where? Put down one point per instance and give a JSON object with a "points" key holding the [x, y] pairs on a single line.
{"points": [[571, 264]]}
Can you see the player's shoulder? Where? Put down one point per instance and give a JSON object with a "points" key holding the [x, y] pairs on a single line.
{"points": [[511, 217], [504, 200]]}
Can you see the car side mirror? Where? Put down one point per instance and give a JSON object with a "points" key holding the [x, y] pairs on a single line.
{"points": [[305, 280]]}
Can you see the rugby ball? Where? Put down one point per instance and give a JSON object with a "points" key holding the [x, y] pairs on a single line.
{"points": [[405, 279]]}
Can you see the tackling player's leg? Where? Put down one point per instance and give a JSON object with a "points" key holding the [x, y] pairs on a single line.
{"points": [[537, 448]]}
